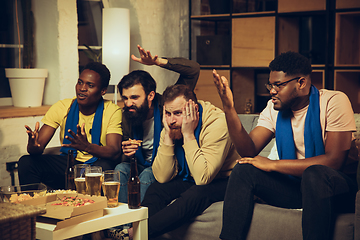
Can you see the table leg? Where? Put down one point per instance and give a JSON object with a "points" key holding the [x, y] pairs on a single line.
{"points": [[141, 230]]}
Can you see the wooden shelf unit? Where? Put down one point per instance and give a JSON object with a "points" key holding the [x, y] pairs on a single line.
{"points": [[301, 6], [257, 49], [343, 4], [205, 89], [347, 39], [325, 31], [348, 81]]}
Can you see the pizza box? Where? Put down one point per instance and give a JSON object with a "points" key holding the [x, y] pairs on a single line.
{"points": [[60, 224], [65, 212]]}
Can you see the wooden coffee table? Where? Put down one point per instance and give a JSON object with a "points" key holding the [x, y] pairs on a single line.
{"points": [[112, 217]]}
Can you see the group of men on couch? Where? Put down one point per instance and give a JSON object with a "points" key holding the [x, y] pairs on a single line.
{"points": [[190, 154]]}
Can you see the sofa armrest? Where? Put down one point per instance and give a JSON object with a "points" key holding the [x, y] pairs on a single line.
{"points": [[357, 217]]}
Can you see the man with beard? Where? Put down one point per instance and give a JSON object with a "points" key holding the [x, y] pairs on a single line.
{"points": [[88, 124], [142, 115], [194, 160], [313, 131]]}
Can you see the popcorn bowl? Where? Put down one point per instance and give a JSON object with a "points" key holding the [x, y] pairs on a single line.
{"points": [[17, 194]]}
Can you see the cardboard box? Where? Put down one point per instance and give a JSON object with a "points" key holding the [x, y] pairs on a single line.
{"points": [[64, 216]]}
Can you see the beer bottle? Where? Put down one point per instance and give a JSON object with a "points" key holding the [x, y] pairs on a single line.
{"points": [[133, 186], [69, 172]]}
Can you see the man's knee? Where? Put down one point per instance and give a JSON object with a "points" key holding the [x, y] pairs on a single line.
{"points": [[315, 173], [124, 169], [25, 162], [243, 171], [146, 176], [323, 181]]}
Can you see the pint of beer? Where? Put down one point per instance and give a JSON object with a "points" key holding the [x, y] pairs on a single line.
{"points": [[93, 180], [111, 187], [80, 185], [80, 177]]}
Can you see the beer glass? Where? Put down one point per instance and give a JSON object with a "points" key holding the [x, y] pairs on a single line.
{"points": [[80, 177], [111, 187], [93, 180]]}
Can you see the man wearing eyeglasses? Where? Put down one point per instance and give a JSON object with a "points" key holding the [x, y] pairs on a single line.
{"points": [[313, 131]]}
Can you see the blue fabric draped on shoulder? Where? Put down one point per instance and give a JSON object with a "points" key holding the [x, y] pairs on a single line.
{"points": [[139, 132], [180, 153], [72, 122], [314, 144]]}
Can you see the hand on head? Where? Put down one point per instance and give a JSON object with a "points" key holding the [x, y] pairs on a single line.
{"points": [[190, 119]]}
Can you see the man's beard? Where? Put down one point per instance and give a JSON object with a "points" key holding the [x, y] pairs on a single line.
{"points": [[285, 105], [139, 116], [175, 133]]}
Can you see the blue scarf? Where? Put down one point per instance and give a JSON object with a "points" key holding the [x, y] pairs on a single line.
{"points": [[314, 145], [139, 135], [72, 121], [184, 171]]}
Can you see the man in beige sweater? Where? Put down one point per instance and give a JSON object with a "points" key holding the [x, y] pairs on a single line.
{"points": [[193, 162]]}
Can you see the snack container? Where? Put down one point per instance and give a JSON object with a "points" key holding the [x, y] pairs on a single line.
{"points": [[65, 216], [17, 194]]}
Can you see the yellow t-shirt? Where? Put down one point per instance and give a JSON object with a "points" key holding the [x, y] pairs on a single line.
{"points": [[111, 122]]}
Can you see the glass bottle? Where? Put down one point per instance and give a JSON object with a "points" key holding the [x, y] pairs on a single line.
{"points": [[133, 186], [248, 106], [69, 172]]}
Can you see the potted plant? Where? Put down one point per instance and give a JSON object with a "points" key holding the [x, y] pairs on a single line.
{"points": [[27, 83], [93, 54]]}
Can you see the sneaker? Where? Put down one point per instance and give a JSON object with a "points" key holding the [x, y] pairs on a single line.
{"points": [[118, 234]]}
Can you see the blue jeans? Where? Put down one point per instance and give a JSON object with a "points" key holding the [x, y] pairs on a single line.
{"points": [[146, 177]]}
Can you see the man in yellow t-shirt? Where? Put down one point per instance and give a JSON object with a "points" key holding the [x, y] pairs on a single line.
{"points": [[88, 124]]}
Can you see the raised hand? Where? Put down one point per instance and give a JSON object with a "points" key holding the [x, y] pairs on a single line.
{"points": [[224, 90], [79, 140], [145, 57], [33, 136]]}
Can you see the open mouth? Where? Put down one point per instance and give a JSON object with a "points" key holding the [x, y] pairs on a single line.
{"points": [[81, 96], [274, 99]]}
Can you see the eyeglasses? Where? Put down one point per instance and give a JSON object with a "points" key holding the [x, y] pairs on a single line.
{"points": [[276, 86]]}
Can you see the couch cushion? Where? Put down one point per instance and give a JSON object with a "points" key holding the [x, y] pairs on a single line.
{"points": [[268, 223]]}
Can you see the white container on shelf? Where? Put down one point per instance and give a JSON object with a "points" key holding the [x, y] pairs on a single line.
{"points": [[27, 86]]}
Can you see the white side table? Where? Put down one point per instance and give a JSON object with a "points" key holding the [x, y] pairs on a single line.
{"points": [[112, 217]]}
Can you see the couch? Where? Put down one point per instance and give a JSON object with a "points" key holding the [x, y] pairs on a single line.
{"points": [[268, 223]]}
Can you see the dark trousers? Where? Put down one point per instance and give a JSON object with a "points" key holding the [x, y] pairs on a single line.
{"points": [[191, 201], [322, 193], [50, 169]]}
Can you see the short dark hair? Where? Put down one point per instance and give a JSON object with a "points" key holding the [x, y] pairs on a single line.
{"points": [[178, 90], [102, 70], [138, 77], [291, 63]]}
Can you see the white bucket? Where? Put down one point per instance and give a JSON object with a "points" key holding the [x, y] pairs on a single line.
{"points": [[27, 86]]}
